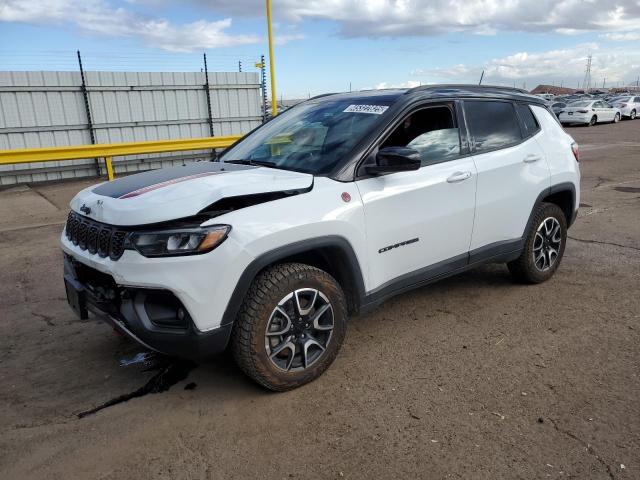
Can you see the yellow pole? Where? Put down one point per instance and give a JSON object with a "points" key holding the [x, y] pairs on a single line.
{"points": [[107, 160], [274, 101]]}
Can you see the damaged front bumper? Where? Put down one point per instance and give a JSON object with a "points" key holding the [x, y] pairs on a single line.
{"points": [[153, 318]]}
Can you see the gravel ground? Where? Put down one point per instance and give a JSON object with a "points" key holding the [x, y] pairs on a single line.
{"points": [[473, 377]]}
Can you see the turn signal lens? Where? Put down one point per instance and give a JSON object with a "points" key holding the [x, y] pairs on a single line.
{"points": [[213, 239]]}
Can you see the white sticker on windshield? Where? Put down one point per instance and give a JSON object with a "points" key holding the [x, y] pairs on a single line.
{"points": [[375, 109]]}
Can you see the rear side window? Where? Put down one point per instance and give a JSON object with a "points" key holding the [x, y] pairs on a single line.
{"points": [[492, 124], [529, 122]]}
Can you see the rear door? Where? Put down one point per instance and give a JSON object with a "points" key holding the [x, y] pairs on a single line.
{"points": [[419, 223], [512, 172], [604, 111]]}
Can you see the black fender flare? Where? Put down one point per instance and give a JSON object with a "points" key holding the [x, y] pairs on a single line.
{"points": [[560, 187], [280, 253]]}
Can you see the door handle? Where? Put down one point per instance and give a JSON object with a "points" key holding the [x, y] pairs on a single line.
{"points": [[458, 177], [531, 158]]}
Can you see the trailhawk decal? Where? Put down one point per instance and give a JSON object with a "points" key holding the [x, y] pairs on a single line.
{"points": [[397, 245], [374, 109]]}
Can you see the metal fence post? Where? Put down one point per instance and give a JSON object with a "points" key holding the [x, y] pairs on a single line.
{"points": [[263, 73], [214, 154], [206, 88], [85, 95]]}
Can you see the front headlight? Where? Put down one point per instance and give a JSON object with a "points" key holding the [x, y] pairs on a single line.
{"points": [[184, 241]]}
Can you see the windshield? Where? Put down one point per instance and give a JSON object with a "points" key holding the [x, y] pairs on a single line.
{"points": [[311, 137], [620, 99]]}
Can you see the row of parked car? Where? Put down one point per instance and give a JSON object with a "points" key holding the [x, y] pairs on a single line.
{"points": [[589, 110]]}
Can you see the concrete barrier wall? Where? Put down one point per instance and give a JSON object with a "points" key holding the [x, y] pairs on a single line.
{"points": [[40, 109]]}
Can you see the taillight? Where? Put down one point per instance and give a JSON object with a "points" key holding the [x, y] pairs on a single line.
{"points": [[576, 151]]}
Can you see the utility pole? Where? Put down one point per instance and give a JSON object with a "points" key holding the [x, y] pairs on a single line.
{"points": [[240, 66], [586, 83], [274, 99]]}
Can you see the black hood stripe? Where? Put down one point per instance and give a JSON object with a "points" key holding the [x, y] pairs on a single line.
{"points": [[134, 185]]}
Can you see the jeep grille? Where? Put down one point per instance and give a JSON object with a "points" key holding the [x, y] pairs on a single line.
{"points": [[96, 237]]}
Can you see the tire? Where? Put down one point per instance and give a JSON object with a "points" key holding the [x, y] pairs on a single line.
{"points": [[593, 121], [632, 115], [616, 119], [525, 269], [279, 361]]}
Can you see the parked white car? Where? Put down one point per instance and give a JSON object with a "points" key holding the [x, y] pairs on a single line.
{"points": [[327, 210], [590, 112], [628, 105]]}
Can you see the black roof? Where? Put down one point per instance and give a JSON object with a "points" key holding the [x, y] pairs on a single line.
{"points": [[441, 91]]}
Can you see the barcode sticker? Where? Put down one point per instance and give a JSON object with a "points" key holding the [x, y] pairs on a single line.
{"points": [[374, 109]]}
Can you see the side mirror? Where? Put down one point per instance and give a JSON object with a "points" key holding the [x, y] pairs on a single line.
{"points": [[395, 159]]}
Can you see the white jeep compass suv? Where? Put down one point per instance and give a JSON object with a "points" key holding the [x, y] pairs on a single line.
{"points": [[328, 209]]}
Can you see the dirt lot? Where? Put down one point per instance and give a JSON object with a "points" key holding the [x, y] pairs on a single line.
{"points": [[474, 377]]}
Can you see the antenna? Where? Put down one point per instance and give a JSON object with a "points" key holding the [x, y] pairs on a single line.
{"points": [[481, 77]]}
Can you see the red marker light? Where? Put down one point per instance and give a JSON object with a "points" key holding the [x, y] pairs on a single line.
{"points": [[346, 197]]}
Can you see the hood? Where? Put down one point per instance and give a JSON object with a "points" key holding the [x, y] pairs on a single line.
{"points": [[177, 192]]}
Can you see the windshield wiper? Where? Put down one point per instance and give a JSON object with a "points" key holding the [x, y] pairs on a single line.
{"points": [[259, 163]]}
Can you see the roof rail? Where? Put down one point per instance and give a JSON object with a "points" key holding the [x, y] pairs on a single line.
{"points": [[320, 96], [468, 86]]}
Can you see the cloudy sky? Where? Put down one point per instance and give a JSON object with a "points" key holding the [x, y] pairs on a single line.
{"points": [[327, 45]]}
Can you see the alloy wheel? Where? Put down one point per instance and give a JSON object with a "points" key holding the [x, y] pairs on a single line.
{"points": [[546, 244], [299, 330]]}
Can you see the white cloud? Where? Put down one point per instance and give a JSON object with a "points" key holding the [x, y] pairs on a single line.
{"points": [[622, 37], [407, 84], [553, 66], [99, 17], [282, 38], [429, 17]]}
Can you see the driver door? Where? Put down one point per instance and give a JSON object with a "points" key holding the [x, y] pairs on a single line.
{"points": [[419, 223]]}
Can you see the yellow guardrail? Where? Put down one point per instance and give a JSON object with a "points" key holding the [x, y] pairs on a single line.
{"points": [[110, 150]]}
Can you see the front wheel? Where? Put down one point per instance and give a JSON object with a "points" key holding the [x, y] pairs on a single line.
{"points": [[290, 327], [616, 119], [544, 246], [593, 121], [632, 115]]}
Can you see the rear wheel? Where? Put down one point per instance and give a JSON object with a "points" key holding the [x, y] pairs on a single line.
{"points": [[290, 326], [544, 246], [593, 121]]}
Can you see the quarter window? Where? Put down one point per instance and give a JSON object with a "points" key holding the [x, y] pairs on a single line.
{"points": [[492, 124], [528, 120]]}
